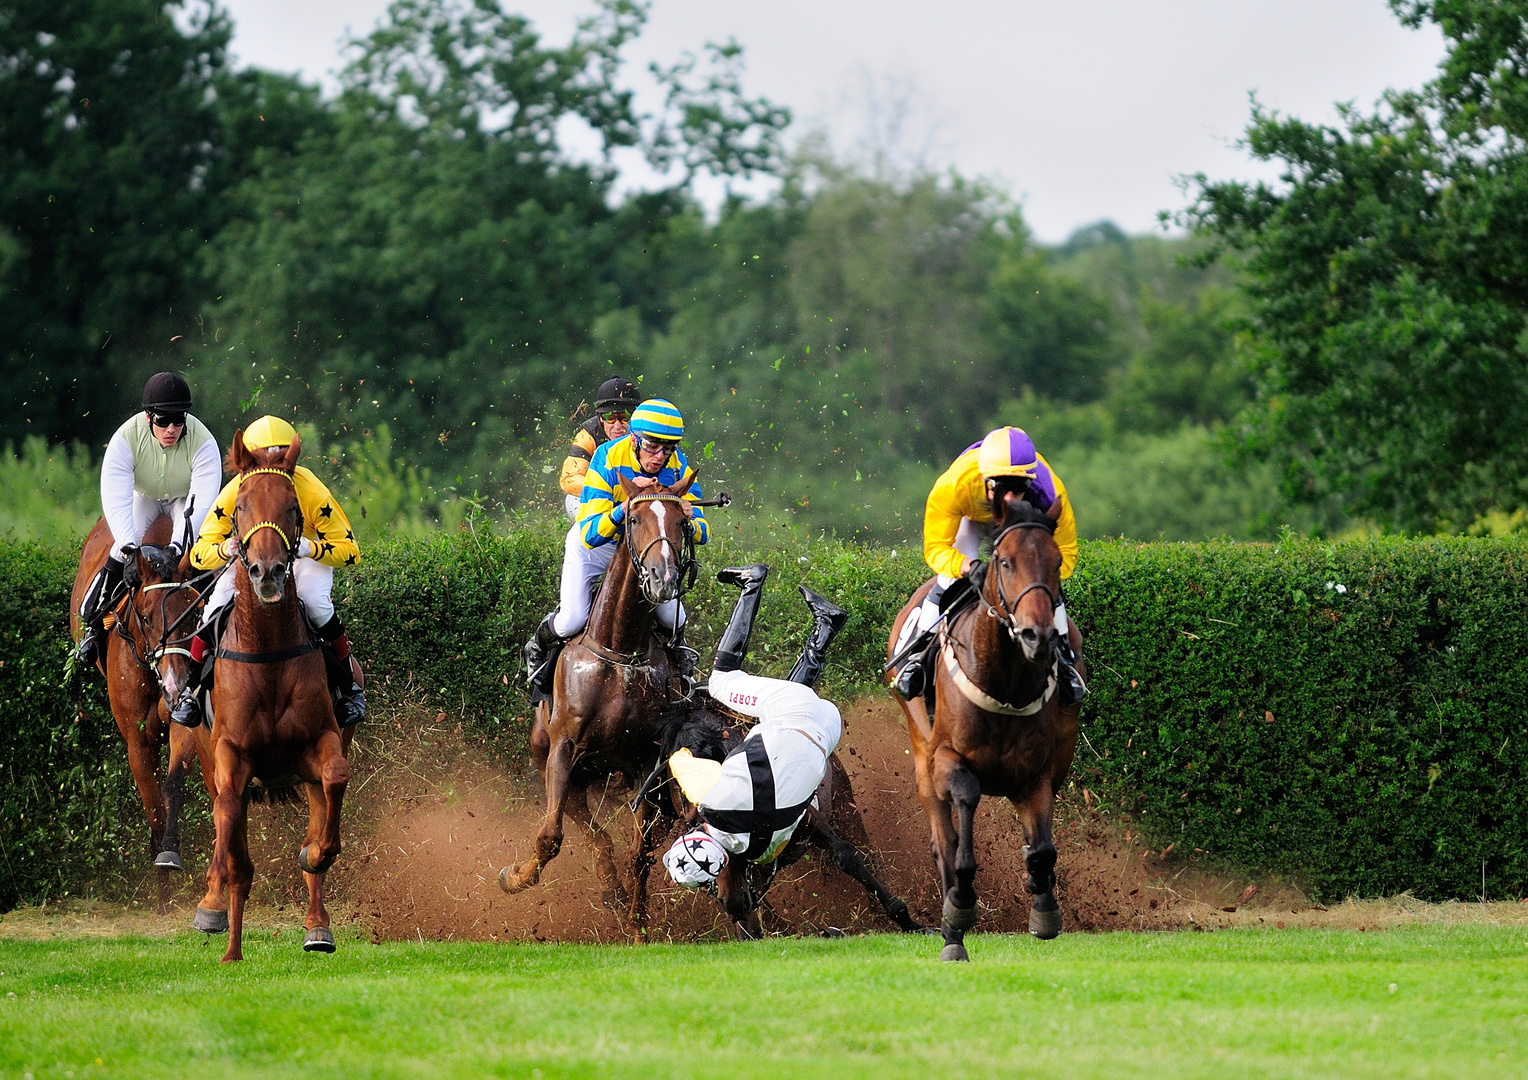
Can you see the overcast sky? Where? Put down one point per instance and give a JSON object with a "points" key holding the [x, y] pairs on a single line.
{"points": [[1083, 109]]}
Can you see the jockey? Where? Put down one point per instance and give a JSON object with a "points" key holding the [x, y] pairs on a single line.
{"points": [[154, 463], [750, 804], [647, 457], [327, 541], [611, 420], [969, 494]]}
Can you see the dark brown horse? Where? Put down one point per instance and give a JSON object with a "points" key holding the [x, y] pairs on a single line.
{"points": [[711, 731], [146, 663], [272, 718], [611, 684], [997, 727]]}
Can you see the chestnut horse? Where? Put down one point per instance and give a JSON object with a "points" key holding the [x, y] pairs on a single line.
{"points": [[146, 663], [611, 684], [709, 730], [997, 727], [272, 718]]}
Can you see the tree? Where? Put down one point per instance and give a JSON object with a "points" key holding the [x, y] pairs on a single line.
{"points": [[1388, 285], [110, 134]]}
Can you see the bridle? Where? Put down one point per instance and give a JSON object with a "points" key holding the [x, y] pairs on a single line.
{"points": [[1010, 608], [286, 541], [167, 645], [684, 554]]}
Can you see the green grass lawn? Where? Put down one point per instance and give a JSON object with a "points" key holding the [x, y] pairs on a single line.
{"points": [[1430, 1001]]}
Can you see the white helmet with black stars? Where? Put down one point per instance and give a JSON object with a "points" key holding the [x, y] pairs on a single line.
{"points": [[695, 859]]}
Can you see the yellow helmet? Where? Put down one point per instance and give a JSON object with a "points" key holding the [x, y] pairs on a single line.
{"points": [[269, 431], [1008, 451]]}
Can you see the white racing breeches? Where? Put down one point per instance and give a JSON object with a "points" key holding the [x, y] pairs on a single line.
{"points": [[767, 784], [314, 582], [580, 567], [145, 510]]}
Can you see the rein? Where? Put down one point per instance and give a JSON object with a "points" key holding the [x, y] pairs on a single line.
{"points": [[168, 645], [279, 655]]}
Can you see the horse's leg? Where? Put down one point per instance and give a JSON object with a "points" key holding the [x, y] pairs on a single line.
{"points": [[328, 764], [582, 811], [558, 774], [229, 815], [641, 865], [957, 792], [183, 751], [240, 877], [732, 891], [143, 759], [1040, 859], [852, 861]]}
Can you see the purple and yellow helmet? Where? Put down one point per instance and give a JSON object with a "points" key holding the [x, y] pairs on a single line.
{"points": [[1008, 451]]}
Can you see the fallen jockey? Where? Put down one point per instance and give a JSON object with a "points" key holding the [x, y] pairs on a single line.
{"points": [[750, 804], [968, 497], [648, 457], [613, 403], [327, 542], [158, 461]]}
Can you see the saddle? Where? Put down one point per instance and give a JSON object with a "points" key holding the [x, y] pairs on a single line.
{"points": [[961, 594]]}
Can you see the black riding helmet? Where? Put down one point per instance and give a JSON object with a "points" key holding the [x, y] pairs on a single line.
{"points": [[617, 393], [167, 392]]}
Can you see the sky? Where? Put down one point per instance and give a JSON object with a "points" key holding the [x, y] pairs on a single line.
{"points": [[1083, 110]]}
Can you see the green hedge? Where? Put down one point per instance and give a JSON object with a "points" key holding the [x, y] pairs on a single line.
{"points": [[1395, 758]]}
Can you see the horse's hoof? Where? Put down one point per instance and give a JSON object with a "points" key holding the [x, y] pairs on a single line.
{"points": [[1045, 922], [833, 932], [954, 953], [508, 882], [318, 939], [309, 867], [210, 922], [168, 860]]}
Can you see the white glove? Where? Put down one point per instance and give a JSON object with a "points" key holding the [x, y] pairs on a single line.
{"points": [[304, 548], [231, 548]]}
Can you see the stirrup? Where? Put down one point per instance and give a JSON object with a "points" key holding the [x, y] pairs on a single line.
{"points": [[87, 648], [910, 679]]}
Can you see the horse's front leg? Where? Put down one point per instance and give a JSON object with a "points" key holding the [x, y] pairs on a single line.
{"points": [[557, 779], [223, 906], [134, 722], [852, 861], [325, 764], [953, 813], [1035, 814], [641, 865], [584, 811], [184, 751], [732, 890]]}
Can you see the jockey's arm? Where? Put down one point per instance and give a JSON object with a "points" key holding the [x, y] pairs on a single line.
{"points": [[208, 552], [324, 524], [206, 482], [117, 490], [948, 503], [576, 465], [599, 515], [1066, 529]]}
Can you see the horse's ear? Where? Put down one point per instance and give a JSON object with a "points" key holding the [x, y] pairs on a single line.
{"points": [[621, 494], [684, 485], [293, 452], [239, 458]]}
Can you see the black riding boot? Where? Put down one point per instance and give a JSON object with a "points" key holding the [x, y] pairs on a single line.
{"points": [[188, 709], [827, 620], [1071, 689], [684, 658], [98, 599], [734, 643], [910, 679], [541, 653], [349, 697]]}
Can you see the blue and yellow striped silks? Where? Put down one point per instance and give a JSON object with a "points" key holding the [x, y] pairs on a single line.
{"points": [[600, 520], [658, 419]]}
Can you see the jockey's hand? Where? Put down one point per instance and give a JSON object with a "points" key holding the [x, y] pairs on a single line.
{"points": [[304, 548], [231, 548], [688, 508], [965, 566], [641, 484]]}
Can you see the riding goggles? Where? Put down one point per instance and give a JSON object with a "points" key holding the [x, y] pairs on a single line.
{"points": [[616, 416], [168, 419], [648, 445]]}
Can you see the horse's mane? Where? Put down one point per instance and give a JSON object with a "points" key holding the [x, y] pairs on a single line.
{"points": [[1024, 512], [698, 726]]}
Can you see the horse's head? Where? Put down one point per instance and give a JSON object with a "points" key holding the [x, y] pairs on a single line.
{"points": [[660, 539], [267, 519], [1023, 580], [159, 624]]}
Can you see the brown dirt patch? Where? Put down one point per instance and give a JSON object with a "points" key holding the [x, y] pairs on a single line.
{"points": [[431, 817]]}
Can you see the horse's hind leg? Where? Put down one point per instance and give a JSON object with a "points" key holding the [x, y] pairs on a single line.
{"points": [[953, 814], [557, 778], [332, 771], [1040, 860], [583, 811], [183, 751], [732, 890], [852, 861], [641, 865]]}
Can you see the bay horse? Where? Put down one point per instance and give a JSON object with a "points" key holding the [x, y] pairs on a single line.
{"points": [[609, 688], [709, 730], [145, 662], [997, 727], [272, 719]]}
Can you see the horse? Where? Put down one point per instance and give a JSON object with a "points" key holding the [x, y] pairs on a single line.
{"points": [[145, 664], [997, 727], [272, 719], [611, 684], [711, 731]]}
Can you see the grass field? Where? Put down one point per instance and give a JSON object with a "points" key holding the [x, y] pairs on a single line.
{"points": [[1422, 1002]]}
